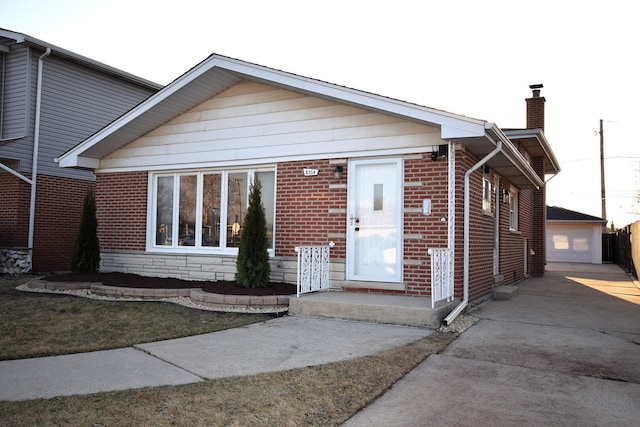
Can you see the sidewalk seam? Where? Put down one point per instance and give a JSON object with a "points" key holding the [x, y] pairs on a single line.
{"points": [[135, 347]]}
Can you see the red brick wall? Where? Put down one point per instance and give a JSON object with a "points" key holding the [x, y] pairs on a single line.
{"points": [[481, 235], [432, 175], [14, 211], [535, 112], [302, 208], [57, 218], [59, 204], [539, 227], [310, 211], [121, 209], [512, 243], [303, 218]]}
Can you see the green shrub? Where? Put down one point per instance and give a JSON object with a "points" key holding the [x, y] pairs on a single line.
{"points": [[85, 257], [252, 267]]}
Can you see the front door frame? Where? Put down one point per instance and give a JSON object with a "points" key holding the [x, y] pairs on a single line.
{"points": [[351, 225]]}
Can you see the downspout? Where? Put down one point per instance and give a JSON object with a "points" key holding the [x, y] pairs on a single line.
{"points": [[465, 286], [36, 143]]}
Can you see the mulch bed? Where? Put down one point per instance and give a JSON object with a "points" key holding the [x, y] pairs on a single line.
{"points": [[136, 281]]}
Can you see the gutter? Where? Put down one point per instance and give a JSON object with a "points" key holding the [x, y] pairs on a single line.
{"points": [[36, 144], [465, 292]]}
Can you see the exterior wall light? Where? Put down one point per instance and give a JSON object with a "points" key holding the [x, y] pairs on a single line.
{"points": [[337, 172], [505, 196]]}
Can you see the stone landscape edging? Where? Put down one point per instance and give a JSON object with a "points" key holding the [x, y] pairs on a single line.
{"points": [[224, 302]]}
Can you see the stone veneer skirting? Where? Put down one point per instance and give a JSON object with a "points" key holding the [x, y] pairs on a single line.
{"points": [[196, 267], [239, 303], [14, 261]]}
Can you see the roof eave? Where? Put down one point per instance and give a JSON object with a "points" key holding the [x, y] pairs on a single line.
{"points": [[515, 157], [539, 136], [452, 126]]}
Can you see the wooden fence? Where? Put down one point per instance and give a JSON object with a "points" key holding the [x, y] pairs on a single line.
{"points": [[623, 248]]}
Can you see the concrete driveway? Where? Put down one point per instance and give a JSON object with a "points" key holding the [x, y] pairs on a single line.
{"points": [[565, 351]]}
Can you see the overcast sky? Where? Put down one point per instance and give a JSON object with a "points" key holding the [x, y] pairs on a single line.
{"points": [[473, 58]]}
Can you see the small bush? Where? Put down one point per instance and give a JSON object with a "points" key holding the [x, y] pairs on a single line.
{"points": [[252, 267], [85, 257]]}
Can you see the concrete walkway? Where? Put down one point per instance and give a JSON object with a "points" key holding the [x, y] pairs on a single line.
{"points": [[563, 352], [283, 343]]}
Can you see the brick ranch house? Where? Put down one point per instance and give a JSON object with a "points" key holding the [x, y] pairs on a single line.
{"points": [[384, 180], [51, 99]]}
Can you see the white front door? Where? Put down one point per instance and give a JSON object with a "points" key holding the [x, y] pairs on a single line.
{"points": [[374, 229]]}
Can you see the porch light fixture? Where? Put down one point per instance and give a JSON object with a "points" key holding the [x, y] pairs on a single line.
{"points": [[442, 151], [337, 172], [505, 195]]}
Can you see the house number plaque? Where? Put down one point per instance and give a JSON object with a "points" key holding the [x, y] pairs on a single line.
{"points": [[310, 172]]}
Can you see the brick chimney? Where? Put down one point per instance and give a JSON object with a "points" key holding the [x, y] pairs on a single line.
{"points": [[535, 120], [535, 108]]}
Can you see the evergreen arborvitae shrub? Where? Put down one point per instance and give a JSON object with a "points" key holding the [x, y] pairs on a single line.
{"points": [[252, 267], [85, 257]]}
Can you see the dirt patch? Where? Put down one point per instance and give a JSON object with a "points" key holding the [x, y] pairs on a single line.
{"points": [[137, 281]]}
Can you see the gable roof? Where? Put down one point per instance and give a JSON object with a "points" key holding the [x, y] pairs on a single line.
{"points": [[74, 57], [555, 213], [218, 73]]}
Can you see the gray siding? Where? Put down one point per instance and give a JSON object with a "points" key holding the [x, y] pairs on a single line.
{"points": [[13, 121], [77, 101]]}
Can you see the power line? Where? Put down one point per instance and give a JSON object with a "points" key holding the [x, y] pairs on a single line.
{"points": [[596, 158]]}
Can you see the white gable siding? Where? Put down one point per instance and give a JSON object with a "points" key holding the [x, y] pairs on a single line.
{"points": [[257, 123]]}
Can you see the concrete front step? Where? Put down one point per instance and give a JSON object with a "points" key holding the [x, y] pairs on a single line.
{"points": [[378, 308], [505, 292]]}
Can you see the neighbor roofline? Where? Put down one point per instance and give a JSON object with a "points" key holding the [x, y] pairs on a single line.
{"points": [[67, 54]]}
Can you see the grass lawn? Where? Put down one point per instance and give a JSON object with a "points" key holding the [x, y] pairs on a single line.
{"points": [[35, 325], [324, 395]]}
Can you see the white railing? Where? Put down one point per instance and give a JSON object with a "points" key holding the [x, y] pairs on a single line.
{"points": [[313, 268], [441, 275]]}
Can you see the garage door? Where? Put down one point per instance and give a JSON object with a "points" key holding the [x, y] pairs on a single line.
{"points": [[573, 244]]}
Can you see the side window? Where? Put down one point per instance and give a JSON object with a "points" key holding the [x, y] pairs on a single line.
{"points": [[513, 209], [486, 190]]}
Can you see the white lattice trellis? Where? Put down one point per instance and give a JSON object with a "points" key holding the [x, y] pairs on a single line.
{"points": [[441, 275], [313, 268]]}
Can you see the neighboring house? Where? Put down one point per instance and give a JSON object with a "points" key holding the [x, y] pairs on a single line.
{"points": [[573, 236], [50, 100], [385, 180]]}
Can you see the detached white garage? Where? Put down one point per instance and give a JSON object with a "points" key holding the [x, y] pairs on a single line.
{"points": [[573, 236]]}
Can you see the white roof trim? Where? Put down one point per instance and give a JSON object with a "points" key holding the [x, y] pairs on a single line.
{"points": [[538, 134], [452, 125]]}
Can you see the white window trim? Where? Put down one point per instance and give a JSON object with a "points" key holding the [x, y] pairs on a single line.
{"points": [[152, 247], [487, 207], [514, 212]]}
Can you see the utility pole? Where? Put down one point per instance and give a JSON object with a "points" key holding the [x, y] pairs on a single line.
{"points": [[602, 190]]}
